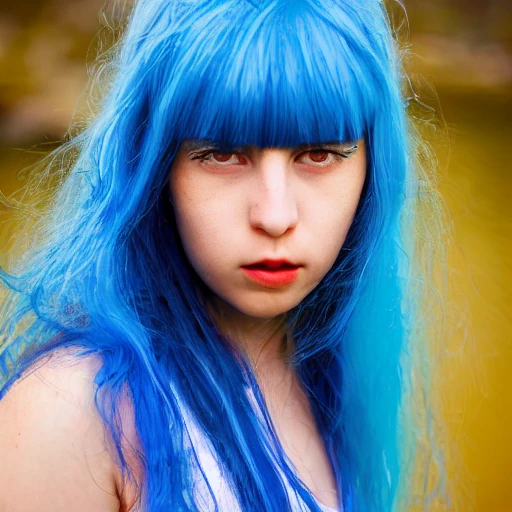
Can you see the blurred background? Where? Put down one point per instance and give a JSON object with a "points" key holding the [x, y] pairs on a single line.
{"points": [[463, 48]]}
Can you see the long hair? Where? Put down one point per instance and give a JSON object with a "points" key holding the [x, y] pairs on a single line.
{"points": [[109, 275]]}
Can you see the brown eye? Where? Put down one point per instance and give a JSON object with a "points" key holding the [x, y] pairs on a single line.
{"points": [[224, 158], [221, 157], [317, 157]]}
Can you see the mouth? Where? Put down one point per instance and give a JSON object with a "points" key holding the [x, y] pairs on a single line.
{"points": [[272, 273], [272, 265]]}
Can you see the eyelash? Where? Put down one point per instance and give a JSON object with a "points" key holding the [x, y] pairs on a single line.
{"points": [[203, 155]]}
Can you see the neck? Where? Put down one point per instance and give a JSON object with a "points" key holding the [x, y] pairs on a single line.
{"points": [[266, 342]]}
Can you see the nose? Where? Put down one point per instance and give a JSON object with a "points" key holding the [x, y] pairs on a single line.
{"points": [[273, 205]]}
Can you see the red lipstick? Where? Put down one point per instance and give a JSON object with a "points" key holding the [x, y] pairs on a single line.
{"points": [[272, 273]]}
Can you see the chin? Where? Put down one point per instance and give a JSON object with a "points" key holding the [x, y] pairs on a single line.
{"points": [[265, 309], [257, 306]]}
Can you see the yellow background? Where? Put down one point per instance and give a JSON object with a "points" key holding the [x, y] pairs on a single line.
{"points": [[462, 47]]}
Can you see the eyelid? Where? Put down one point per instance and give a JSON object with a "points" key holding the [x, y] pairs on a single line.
{"points": [[343, 150], [206, 157], [201, 152]]}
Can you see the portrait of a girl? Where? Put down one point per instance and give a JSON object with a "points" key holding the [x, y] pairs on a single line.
{"points": [[223, 307]]}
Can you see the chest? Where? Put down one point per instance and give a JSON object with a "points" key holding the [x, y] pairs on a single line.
{"points": [[302, 442], [300, 439]]}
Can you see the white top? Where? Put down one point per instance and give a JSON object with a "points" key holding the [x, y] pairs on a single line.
{"points": [[205, 462]]}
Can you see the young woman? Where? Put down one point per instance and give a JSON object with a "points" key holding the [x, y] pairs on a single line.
{"points": [[223, 309]]}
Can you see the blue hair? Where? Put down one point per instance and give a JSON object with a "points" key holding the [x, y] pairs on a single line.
{"points": [[110, 276]]}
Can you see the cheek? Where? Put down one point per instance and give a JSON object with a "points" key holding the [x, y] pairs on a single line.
{"points": [[344, 218], [200, 222], [333, 219], [333, 227], [338, 208]]}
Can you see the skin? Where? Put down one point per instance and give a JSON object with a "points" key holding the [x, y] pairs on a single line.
{"points": [[235, 209], [56, 454]]}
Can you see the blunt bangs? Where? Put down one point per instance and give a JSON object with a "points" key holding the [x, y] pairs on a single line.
{"points": [[274, 77]]}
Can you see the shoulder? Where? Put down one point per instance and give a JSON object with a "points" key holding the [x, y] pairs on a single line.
{"points": [[59, 389], [54, 448]]}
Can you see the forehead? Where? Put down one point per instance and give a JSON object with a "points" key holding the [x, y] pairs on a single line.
{"points": [[266, 79], [256, 81], [192, 146]]}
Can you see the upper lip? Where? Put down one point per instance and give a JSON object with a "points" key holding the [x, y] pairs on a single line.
{"points": [[272, 263]]}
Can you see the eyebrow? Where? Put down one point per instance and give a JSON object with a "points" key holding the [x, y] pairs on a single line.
{"points": [[196, 145], [334, 146]]}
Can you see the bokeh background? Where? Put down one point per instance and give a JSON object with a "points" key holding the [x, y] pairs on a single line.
{"points": [[462, 49]]}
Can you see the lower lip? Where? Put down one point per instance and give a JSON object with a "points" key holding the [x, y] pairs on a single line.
{"points": [[272, 278]]}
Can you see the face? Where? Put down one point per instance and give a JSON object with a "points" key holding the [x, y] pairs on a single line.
{"points": [[262, 227]]}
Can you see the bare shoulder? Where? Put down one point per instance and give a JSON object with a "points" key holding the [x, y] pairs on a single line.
{"points": [[54, 452]]}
